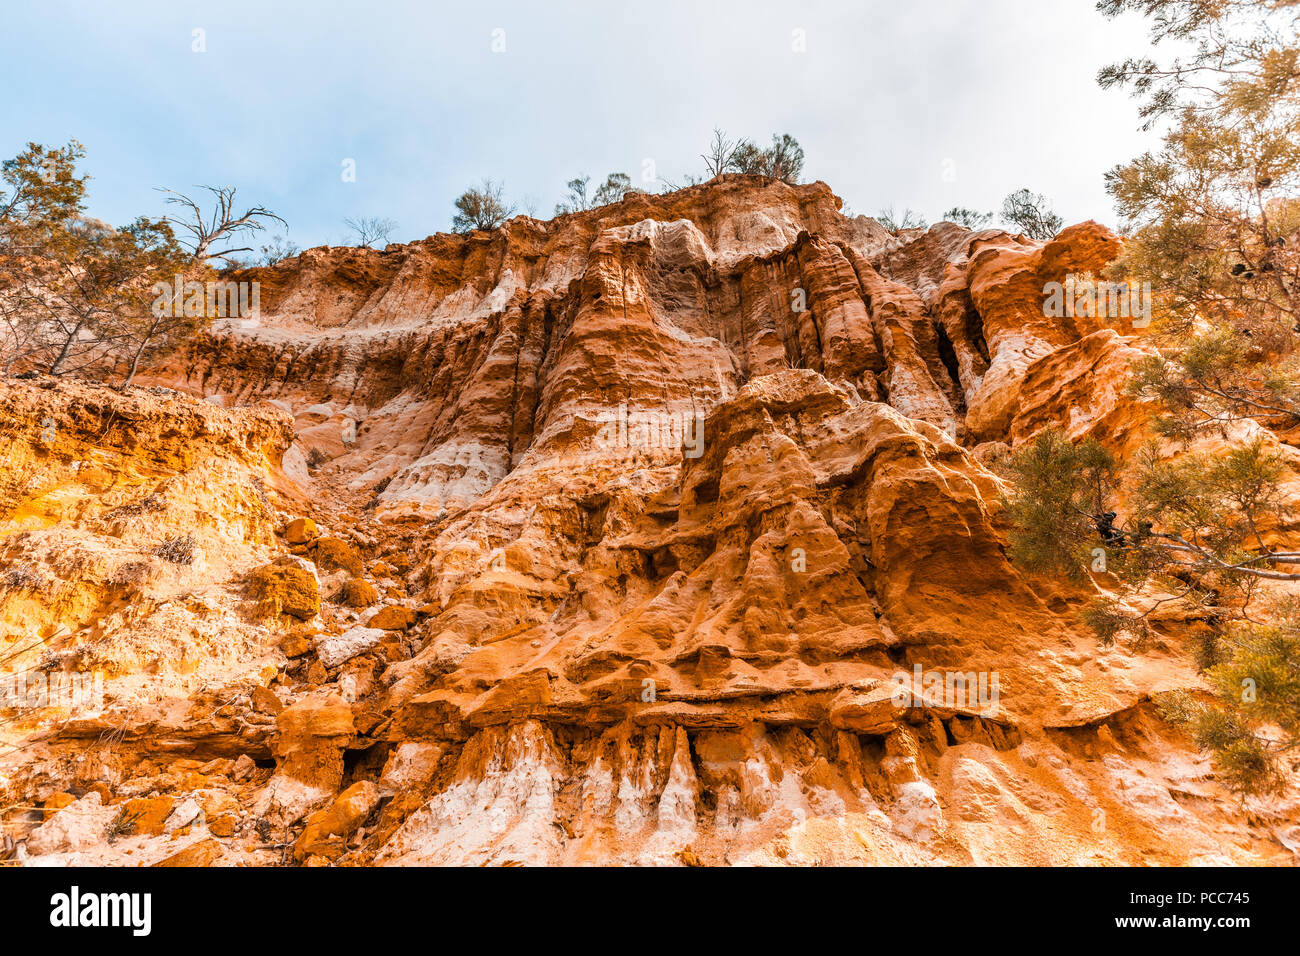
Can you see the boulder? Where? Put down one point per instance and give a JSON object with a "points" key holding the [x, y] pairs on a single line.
{"points": [[357, 593], [205, 852], [285, 587], [337, 649], [342, 818], [336, 554], [394, 617], [75, 827], [300, 531]]}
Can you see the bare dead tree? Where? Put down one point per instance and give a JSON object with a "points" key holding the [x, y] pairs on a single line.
{"points": [[671, 186], [223, 224], [277, 250], [370, 229], [577, 200], [896, 222], [722, 152]]}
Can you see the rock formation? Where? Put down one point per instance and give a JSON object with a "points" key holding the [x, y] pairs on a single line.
{"points": [[641, 535]]}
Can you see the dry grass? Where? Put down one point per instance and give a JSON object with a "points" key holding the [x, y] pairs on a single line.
{"points": [[22, 577], [179, 550], [122, 825], [149, 504], [132, 574]]}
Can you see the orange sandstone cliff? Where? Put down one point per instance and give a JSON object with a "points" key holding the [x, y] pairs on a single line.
{"points": [[627, 537]]}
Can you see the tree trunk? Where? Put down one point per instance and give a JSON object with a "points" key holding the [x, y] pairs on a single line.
{"points": [[62, 357], [135, 363]]}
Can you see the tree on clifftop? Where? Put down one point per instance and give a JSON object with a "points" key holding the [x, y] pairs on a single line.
{"points": [[1030, 213], [782, 160], [208, 229], [969, 218], [721, 154], [78, 296], [897, 222], [368, 230], [614, 188], [481, 208], [74, 293]]}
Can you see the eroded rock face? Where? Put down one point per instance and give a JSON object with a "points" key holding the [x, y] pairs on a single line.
{"points": [[656, 533]]}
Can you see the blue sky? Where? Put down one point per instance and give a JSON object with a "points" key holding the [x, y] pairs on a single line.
{"points": [[926, 104]]}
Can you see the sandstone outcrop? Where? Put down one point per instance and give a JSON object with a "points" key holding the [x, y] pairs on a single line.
{"points": [[632, 536]]}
